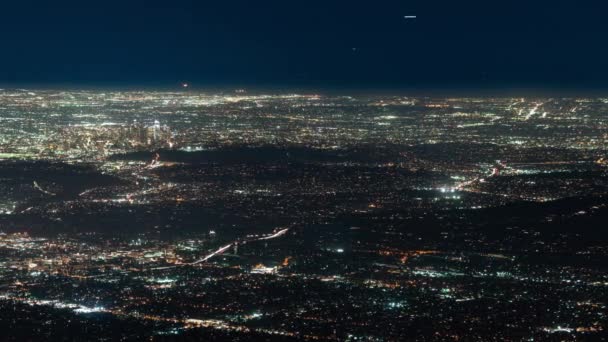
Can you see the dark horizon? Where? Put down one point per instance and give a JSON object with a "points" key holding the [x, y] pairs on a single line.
{"points": [[325, 90], [450, 45]]}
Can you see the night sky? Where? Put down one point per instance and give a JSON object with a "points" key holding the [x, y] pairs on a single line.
{"points": [[366, 44]]}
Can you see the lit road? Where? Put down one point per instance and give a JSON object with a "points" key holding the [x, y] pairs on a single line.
{"points": [[209, 256], [223, 249], [275, 235]]}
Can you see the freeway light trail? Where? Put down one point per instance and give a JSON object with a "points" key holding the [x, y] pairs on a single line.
{"points": [[275, 235], [225, 248], [209, 256]]}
